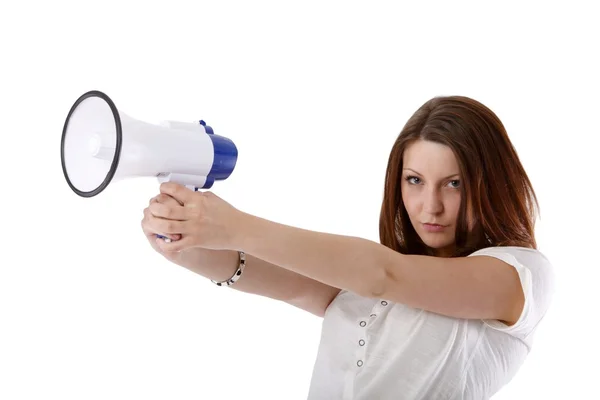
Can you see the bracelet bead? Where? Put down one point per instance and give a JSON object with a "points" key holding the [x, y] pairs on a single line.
{"points": [[236, 275]]}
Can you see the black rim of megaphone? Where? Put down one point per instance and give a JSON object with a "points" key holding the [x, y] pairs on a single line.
{"points": [[115, 161]]}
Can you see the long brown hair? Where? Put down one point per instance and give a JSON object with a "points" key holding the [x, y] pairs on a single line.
{"points": [[494, 183]]}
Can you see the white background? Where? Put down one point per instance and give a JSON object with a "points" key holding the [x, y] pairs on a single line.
{"points": [[313, 93]]}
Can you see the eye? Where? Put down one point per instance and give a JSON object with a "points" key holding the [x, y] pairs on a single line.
{"points": [[455, 183], [412, 179]]}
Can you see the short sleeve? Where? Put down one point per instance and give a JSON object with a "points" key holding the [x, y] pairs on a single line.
{"points": [[536, 274]]}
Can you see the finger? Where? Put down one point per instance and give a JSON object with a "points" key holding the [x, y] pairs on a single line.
{"points": [[164, 199], [157, 226], [149, 230], [158, 236], [166, 226], [171, 212], [152, 234], [179, 192], [186, 242]]}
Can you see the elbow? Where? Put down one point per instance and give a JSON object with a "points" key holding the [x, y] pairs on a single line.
{"points": [[379, 283], [381, 276]]}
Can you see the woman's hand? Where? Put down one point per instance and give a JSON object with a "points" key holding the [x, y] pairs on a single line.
{"points": [[149, 223], [202, 219]]}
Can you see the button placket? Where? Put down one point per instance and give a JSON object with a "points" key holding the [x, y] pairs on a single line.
{"points": [[377, 308], [363, 323], [360, 352]]}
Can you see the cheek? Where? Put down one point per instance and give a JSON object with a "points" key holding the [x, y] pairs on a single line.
{"points": [[410, 201], [453, 206]]}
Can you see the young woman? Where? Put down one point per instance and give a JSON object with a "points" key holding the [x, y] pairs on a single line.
{"points": [[445, 307]]}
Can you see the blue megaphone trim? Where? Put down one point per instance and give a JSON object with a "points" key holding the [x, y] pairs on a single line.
{"points": [[207, 128], [225, 157], [208, 184]]}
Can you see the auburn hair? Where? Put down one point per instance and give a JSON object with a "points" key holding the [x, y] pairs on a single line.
{"points": [[494, 184]]}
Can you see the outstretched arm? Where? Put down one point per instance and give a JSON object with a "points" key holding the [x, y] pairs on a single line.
{"points": [[463, 287]]}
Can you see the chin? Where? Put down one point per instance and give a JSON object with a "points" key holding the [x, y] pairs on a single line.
{"points": [[436, 242]]}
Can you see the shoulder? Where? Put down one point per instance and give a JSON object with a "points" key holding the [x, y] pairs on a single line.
{"points": [[525, 260], [537, 277], [524, 253]]}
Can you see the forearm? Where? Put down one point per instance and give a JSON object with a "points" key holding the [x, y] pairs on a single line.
{"points": [[259, 277], [350, 263], [217, 265]]}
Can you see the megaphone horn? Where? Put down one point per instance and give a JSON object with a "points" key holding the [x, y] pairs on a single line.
{"points": [[100, 145]]}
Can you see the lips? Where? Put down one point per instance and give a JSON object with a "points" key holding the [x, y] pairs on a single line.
{"points": [[434, 227]]}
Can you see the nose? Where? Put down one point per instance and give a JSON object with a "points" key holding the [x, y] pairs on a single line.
{"points": [[432, 203]]}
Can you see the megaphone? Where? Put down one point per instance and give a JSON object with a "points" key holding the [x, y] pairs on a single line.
{"points": [[100, 145]]}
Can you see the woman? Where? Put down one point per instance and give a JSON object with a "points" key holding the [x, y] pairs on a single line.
{"points": [[444, 308]]}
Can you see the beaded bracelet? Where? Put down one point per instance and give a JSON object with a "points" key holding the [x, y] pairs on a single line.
{"points": [[237, 273]]}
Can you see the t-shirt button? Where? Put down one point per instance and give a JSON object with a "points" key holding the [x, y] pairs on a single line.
{"points": [[384, 303], [361, 342], [359, 363], [363, 323]]}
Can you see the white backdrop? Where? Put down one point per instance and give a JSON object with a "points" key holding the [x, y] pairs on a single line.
{"points": [[313, 93]]}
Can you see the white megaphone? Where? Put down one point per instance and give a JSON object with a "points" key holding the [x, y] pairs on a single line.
{"points": [[100, 144]]}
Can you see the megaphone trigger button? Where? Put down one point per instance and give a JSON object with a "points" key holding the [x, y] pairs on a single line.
{"points": [[208, 129]]}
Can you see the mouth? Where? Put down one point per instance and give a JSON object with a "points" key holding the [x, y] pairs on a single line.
{"points": [[434, 227]]}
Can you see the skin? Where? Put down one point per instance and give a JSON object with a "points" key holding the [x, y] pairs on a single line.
{"points": [[479, 287], [431, 192]]}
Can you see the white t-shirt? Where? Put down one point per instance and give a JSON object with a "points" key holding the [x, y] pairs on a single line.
{"points": [[376, 349]]}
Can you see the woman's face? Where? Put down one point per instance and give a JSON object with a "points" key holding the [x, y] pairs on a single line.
{"points": [[431, 192]]}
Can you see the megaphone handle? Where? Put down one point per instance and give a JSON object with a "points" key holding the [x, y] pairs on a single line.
{"points": [[166, 239]]}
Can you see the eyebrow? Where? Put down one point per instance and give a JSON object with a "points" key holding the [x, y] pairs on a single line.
{"points": [[449, 176]]}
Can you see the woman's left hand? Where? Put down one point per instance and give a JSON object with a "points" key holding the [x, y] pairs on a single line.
{"points": [[203, 219]]}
